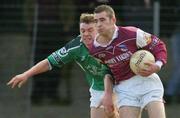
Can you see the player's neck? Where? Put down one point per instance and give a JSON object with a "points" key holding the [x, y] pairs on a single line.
{"points": [[105, 38]]}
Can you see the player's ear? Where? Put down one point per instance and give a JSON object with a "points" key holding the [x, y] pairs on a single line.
{"points": [[114, 19]]}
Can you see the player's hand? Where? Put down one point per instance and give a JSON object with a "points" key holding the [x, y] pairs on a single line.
{"points": [[18, 80], [107, 102], [151, 68]]}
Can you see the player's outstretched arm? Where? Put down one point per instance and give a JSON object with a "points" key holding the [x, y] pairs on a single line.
{"points": [[20, 79]]}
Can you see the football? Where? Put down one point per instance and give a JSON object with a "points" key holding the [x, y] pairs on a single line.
{"points": [[138, 59]]}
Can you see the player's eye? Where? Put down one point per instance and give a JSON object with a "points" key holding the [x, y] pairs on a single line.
{"points": [[102, 19], [91, 30], [95, 20], [82, 31]]}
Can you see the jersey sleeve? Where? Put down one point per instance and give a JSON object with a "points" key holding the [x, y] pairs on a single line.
{"points": [[153, 44], [65, 54]]}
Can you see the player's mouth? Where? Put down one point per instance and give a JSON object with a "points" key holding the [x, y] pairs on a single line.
{"points": [[88, 39], [100, 30]]}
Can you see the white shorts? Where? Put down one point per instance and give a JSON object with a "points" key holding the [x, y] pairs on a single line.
{"points": [[96, 97], [138, 91]]}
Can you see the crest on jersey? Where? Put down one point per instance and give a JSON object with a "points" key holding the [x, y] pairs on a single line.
{"points": [[123, 47], [102, 55]]}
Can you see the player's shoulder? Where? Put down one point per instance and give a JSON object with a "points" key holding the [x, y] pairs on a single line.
{"points": [[74, 43], [128, 28], [128, 31]]}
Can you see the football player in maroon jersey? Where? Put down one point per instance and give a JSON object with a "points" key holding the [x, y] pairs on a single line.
{"points": [[114, 46]]}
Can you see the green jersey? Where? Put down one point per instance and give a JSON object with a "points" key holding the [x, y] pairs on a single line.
{"points": [[76, 51]]}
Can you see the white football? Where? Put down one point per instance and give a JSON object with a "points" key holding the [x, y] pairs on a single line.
{"points": [[138, 59]]}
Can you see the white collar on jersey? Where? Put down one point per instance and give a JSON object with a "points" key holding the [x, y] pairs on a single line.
{"points": [[81, 38], [115, 35]]}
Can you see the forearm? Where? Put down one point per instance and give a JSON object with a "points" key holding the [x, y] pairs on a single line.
{"points": [[40, 67], [108, 84], [107, 98]]}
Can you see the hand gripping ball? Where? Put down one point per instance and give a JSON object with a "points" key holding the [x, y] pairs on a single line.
{"points": [[138, 59]]}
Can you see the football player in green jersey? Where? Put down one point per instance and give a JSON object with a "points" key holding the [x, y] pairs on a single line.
{"points": [[98, 75]]}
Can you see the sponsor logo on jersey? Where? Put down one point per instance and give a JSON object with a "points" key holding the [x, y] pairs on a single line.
{"points": [[123, 47], [122, 57], [62, 51], [56, 57], [147, 37], [155, 41]]}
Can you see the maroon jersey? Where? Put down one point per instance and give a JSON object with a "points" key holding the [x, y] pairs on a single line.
{"points": [[126, 41]]}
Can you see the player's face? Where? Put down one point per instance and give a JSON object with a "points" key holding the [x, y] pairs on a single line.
{"points": [[103, 23], [88, 33]]}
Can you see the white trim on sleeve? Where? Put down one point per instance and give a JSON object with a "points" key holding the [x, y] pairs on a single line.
{"points": [[142, 38], [159, 63], [50, 66]]}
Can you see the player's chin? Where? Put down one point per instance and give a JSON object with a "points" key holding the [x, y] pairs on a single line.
{"points": [[143, 74]]}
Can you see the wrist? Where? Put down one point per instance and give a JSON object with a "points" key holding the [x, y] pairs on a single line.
{"points": [[27, 75], [159, 64], [108, 92]]}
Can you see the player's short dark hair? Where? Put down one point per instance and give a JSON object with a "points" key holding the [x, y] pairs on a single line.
{"points": [[105, 8], [87, 18]]}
